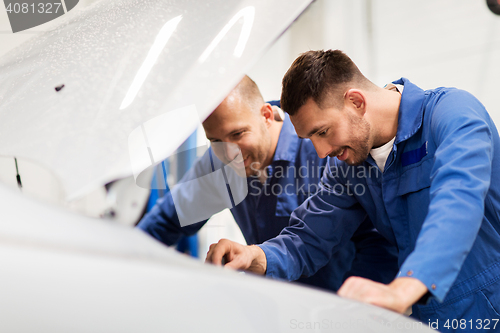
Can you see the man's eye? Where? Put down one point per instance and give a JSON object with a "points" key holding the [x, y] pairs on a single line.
{"points": [[322, 133], [237, 134]]}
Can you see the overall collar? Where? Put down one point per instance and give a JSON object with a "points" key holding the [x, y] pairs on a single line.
{"points": [[286, 149], [410, 110]]}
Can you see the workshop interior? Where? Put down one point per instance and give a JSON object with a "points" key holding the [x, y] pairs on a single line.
{"points": [[88, 146]]}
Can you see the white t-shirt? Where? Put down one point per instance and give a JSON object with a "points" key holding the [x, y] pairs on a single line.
{"points": [[381, 153]]}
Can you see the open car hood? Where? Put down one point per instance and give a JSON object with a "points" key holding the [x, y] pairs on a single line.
{"points": [[118, 86]]}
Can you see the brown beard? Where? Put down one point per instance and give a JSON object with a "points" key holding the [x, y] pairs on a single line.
{"points": [[361, 134]]}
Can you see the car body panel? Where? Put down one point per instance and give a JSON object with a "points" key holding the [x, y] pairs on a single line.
{"points": [[119, 64], [62, 272]]}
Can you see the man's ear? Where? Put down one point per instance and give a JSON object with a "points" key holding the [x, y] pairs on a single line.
{"points": [[356, 100], [267, 112]]}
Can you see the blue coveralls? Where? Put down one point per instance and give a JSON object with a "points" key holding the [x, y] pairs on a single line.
{"points": [[438, 201], [294, 175]]}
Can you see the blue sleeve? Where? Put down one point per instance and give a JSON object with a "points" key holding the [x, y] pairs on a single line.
{"points": [[162, 223], [460, 178], [199, 191], [332, 215]]}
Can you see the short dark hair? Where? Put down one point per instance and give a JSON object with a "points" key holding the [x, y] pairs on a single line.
{"points": [[316, 75]]}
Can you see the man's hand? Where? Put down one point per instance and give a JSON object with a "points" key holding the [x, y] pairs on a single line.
{"points": [[397, 296], [250, 258]]}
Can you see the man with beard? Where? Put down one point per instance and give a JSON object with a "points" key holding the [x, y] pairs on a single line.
{"points": [[280, 172], [437, 196]]}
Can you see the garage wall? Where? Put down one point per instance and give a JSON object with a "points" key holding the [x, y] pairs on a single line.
{"points": [[431, 42]]}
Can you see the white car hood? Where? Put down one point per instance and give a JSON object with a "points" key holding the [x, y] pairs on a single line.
{"points": [[139, 76], [61, 272]]}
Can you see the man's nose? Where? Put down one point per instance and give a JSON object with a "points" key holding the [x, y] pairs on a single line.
{"points": [[231, 150], [322, 147]]}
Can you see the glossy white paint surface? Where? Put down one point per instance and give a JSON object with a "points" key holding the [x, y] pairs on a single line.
{"points": [[61, 272], [124, 63]]}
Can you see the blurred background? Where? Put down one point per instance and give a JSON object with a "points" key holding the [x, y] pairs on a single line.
{"points": [[431, 42]]}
